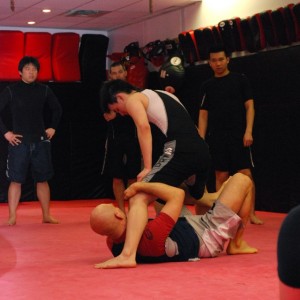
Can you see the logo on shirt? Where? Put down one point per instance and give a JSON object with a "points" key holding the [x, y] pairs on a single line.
{"points": [[168, 151]]}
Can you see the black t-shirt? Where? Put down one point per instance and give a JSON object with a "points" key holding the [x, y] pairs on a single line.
{"points": [[122, 128], [224, 99]]}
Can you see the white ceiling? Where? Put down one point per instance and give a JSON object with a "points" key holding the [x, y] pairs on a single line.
{"points": [[112, 13]]}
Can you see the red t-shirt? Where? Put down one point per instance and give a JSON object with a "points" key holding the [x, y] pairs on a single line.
{"points": [[152, 242]]}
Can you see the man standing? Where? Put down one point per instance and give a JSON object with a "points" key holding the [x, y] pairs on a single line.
{"points": [[226, 120], [124, 154], [29, 140]]}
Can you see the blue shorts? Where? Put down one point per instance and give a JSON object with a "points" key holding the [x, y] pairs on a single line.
{"points": [[36, 156]]}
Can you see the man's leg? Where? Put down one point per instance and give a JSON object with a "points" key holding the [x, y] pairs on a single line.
{"points": [[253, 218], [14, 195], [119, 188], [237, 195], [206, 202], [137, 219], [43, 194], [221, 177]]}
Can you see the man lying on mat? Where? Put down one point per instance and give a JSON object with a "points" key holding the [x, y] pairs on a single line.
{"points": [[169, 238]]}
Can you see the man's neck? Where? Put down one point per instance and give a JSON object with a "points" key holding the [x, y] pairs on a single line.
{"points": [[225, 73]]}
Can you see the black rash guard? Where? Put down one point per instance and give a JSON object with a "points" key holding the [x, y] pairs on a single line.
{"points": [[27, 103]]}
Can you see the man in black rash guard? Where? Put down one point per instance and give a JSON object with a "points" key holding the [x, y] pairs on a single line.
{"points": [[29, 140], [185, 154]]}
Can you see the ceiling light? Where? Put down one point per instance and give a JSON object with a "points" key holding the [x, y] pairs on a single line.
{"points": [[46, 10], [31, 22]]}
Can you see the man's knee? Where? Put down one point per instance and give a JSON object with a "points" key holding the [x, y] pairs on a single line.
{"points": [[246, 172], [242, 180]]}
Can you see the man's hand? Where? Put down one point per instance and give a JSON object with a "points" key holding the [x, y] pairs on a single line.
{"points": [[50, 133], [142, 174], [12, 138], [248, 139], [131, 190]]}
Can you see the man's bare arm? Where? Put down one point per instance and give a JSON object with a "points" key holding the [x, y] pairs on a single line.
{"points": [[202, 122], [173, 196]]}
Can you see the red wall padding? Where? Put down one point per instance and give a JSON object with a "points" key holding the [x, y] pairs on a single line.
{"points": [[137, 72], [38, 44], [65, 61], [11, 51]]}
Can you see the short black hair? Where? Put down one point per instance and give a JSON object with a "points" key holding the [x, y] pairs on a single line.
{"points": [[110, 89], [116, 64], [28, 60], [219, 48]]}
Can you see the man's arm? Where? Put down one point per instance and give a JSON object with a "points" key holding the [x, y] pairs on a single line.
{"points": [[202, 122], [250, 113], [56, 112], [173, 196], [137, 111], [10, 136]]}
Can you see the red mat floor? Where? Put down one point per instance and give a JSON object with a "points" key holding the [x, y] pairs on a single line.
{"points": [[43, 261]]}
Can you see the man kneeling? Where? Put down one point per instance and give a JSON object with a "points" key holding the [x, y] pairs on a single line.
{"points": [[170, 238]]}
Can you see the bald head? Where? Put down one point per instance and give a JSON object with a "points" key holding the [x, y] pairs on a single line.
{"points": [[106, 219]]}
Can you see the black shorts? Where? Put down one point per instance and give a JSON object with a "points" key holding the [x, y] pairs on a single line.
{"points": [[174, 167], [229, 154], [124, 158], [37, 156]]}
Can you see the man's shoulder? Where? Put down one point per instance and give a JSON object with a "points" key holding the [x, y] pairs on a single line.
{"points": [[41, 85], [13, 85], [237, 75]]}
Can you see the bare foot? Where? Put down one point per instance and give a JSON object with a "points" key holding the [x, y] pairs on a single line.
{"points": [[117, 262], [255, 220], [243, 248], [50, 220], [11, 221]]}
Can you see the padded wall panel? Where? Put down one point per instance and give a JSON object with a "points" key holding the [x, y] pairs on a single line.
{"points": [[291, 23], [258, 32], [239, 41], [65, 60], [137, 72], [296, 13], [248, 35], [269, 28], [204, 39], [11, 51], [38, 44], [227, 34], [280, 26], [216, 33], [188, 46], [92, 58]]}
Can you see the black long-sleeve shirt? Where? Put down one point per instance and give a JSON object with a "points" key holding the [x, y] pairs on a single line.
{"points": [[27, 103]]}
